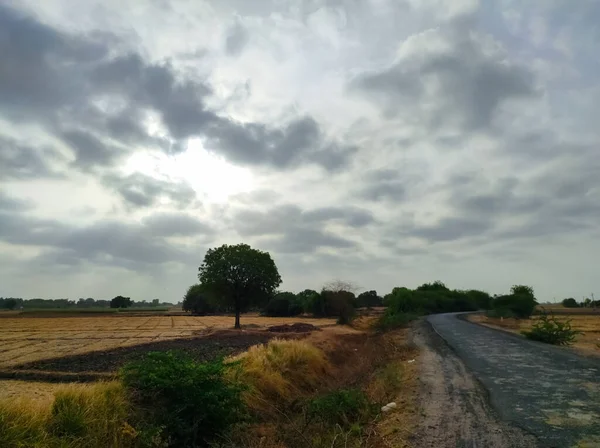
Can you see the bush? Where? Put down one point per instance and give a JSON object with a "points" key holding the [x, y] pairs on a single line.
{"points": [[570, 303], [193, 401], [390, 320], [550, 330], [341, 407], [520, 305]]}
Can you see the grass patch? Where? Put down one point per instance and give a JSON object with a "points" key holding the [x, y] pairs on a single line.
{"points": [[79, 416], [345, 408], [280, 371]]}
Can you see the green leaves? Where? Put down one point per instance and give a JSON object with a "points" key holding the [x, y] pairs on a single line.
{"points": [[239, 275], [550, 330]]}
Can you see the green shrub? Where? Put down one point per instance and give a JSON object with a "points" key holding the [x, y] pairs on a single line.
{"points": [[192, 401], [550, 330], [520, 305], [390, 320], [343, 407]]}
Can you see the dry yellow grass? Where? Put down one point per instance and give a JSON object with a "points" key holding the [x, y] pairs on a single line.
{"points": [[27, 339], [77, 416], [589, 324], [279, 371]]}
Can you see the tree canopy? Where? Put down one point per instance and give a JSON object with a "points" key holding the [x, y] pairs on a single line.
{"points": [[120, 302], [240, 276]]}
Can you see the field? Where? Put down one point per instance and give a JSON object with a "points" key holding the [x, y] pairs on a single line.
{"points": [[30, 339], [588, 323]]}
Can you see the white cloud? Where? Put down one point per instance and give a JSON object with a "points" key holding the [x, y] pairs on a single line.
{"points": [[387, 142]]}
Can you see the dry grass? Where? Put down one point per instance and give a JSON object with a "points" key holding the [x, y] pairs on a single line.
{"points": [[27, 339], [280, 371], [589, 324], [78, 416]]}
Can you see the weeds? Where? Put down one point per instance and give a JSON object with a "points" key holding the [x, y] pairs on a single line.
{"points": [[550, 330], [345, 408], [192, 401]]}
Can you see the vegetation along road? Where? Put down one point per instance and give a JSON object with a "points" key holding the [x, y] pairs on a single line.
{"points": [[549, 392]]}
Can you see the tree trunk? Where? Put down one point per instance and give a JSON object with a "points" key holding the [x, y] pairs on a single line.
{"points": [[237, 314]]}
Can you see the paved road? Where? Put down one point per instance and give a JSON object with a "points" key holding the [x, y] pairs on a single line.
{"points": [[549, 392]]}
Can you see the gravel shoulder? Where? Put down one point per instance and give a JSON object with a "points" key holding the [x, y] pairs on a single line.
{"points": [[454, 406], [551, 393]]}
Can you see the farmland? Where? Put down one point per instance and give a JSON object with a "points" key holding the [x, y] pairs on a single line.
{"points": [[588, 323], [30, 339]]}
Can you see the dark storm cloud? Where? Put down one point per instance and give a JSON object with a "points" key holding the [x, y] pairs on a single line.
{"points": [[79, 88], [107, 241], [236, 40], [139, 190], [21, 161], [288, 228], [446, 77]]}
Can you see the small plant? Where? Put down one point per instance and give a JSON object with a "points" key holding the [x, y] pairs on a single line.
{"points": [[193, 401], [550, 330], [344, 407]]}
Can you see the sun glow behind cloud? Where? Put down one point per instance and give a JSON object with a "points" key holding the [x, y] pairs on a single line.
{"points": [[212, 177]]}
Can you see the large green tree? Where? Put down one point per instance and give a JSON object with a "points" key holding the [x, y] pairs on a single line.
{"points": [[239, 276]]}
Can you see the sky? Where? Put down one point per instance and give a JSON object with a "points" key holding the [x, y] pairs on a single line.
{"points": [[381, 142]]}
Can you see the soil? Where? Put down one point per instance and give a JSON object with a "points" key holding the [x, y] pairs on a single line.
{"points": [[294, 328], [454, 407], [97, 365]]}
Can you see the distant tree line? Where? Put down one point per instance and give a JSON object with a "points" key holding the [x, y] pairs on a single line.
{"points": [[14, 303], [585, 303]]}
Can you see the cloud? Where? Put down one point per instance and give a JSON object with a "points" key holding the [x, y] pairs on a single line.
{"points": [[22, 162], [447, 77], [290, 229], [236, 40], [140, 190], [96, 102], [383, 184], [128, 244], [9, 203], [298, 142], [175, 224]]}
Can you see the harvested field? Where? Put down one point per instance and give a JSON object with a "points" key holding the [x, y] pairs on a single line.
{"points": [[589, 324], [27, 340]]}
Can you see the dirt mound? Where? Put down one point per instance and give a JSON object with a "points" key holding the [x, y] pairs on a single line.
{"points": [[298, 327]]}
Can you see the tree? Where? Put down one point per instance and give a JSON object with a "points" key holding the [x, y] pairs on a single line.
{"points": [[368, 299], [570, 303], [240, 276], [10, 304], [283, 304], [120, 302], [524, 290], [197, 300]]}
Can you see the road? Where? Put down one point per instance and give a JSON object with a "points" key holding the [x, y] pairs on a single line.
{"points": [[549, 392]]}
